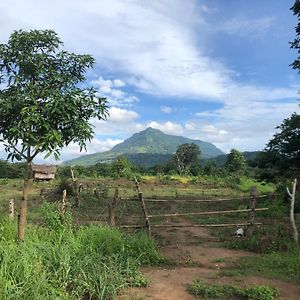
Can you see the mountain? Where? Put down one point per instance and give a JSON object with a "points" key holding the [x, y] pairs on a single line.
{"points": [[147, 147]]}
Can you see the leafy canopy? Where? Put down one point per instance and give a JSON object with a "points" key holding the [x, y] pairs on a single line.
{"points": [[285, 145], [187, 156], [296, 43], [43, 106], [235, 162]]}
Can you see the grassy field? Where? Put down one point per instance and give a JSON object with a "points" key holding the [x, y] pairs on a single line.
{"points": [[58, 249]]}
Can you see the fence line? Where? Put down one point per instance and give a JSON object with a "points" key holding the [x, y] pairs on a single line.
{"points": [[220, 212]]}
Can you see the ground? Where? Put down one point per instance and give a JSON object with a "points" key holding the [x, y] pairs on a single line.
{"points": [[196, 254]]}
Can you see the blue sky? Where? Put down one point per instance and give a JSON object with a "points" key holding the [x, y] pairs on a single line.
{"points": [[212, 70]]}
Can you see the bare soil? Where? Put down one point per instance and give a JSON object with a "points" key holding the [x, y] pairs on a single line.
{"points": [[197, 255]]}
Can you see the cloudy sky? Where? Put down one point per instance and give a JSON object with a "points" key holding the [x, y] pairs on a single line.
{"points": [[213, 70]]}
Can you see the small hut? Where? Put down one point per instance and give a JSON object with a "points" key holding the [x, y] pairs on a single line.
{"points": [[43, 172]]}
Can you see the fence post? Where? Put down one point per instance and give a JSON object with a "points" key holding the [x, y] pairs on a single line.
{"points": [[111, 208], [252, 205], [292, 196], [11, 209], [63, 203], [76, 188], [143, 205]]}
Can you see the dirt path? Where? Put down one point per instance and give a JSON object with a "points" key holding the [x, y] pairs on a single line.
{"points": [[197, 255]]}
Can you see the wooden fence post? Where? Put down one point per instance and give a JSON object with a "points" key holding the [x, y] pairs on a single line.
{"points": [[11, 209], [76, 189], [143, 205], [63, 203], [252, 205], [292, 214], [111, 208]]}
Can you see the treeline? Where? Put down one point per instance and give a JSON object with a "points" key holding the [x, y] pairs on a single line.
{"points": [[11, 170]]}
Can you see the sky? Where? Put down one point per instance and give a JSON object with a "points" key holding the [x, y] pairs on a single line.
{"points": [[213, 70]]}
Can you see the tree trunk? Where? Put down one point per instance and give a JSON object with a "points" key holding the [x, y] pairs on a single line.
{"points": [[23, 206]]}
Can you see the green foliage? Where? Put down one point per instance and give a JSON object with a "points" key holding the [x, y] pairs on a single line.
{"points": [[296, 43], [186, 157], [284, 264], [87, 263], [208, 291], [52, 218], [11, 170], [42, 107], [121, 167], [235, 162], [284, 146]]}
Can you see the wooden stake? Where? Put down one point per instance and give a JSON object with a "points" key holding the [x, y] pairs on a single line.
{"points": [[11, 210], [292, 214], [251, 214], [63, 203], [111, 208], [140, 195], [75, 185]]}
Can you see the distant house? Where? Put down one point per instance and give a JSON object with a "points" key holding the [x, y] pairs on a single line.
{"points": [[43, 172]]}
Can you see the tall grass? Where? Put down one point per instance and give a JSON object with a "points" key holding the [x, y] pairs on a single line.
{"points": [[65, 263]]}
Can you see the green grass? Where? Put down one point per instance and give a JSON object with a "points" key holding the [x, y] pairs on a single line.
{"points": [[92, 262], [223, 291], [283, 265]]}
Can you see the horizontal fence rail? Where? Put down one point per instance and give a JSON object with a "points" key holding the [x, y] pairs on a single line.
{"points": [[219, 212], [190, 225], [195, 200]]}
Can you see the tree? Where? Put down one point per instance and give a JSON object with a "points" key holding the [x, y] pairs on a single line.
{"points": [[121, 166], [210, 167], [43, 106], [285, 145], [187, 156], [296, 43], [235, 162]]}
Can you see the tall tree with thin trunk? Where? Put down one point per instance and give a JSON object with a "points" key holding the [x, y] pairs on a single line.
{"points": [[43, 105]]}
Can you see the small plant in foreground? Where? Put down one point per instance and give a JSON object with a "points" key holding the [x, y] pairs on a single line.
{"points": [[210, 291]]}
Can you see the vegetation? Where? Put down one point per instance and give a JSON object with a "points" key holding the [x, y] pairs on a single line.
{"points": [[59, 261], [209, 291], [236, 162], [42, 107]]}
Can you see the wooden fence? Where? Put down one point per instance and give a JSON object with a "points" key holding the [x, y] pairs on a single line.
{"points": [[251, 210]]}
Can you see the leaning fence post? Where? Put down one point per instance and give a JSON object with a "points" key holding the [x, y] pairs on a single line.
{"points": [[252, 205], [11, 209], [292, 196], [111, 208], [142, 201]]}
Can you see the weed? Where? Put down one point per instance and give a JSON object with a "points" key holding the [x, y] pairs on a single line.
{"points": [[208, 291]]}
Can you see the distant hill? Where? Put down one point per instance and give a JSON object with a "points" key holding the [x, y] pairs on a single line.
{"points": [[146, 148], [221, 159]]}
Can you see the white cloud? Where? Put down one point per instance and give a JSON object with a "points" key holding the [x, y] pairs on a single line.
{"points": [[167, 127], [250, 28], [119, 115], [166, 109], [111, 90]]}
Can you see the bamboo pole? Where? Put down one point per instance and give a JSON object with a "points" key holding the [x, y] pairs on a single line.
{"points": [[208, 213], [143, 205], [11, 209]]}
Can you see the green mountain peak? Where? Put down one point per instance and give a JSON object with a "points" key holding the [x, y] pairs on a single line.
{"points": [[148, 144]]}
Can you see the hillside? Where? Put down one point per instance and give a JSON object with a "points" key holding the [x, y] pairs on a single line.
{"points": [[146, 148]]}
